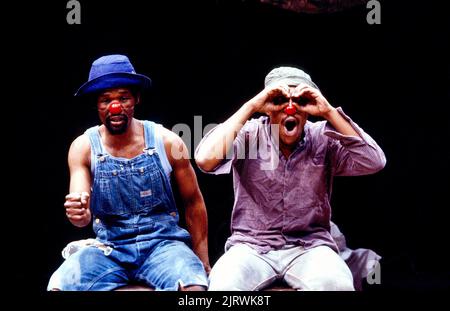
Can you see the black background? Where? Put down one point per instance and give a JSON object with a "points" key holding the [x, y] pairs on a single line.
{"points": [[207, 58]]}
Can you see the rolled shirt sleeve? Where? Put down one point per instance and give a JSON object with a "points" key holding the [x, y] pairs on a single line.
{"points": [[352, 155], [237, 152]]}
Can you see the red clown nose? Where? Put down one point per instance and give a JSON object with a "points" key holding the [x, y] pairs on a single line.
{"points": [[290, 110], [115, 108]]}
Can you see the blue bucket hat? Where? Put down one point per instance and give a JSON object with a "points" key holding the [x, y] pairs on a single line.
{"points": [[112, 71]]}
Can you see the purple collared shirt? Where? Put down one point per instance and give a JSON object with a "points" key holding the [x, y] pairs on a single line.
{"points": [[281, 202]]}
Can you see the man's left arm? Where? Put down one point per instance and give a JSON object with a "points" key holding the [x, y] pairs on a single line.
{"points": [[195, 210], [354, 152]]}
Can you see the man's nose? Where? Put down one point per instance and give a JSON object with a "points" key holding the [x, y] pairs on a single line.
{"points": [[290, 109], [115, 107]]}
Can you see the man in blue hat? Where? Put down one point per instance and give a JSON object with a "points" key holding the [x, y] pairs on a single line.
{"points": [[120, 178]]}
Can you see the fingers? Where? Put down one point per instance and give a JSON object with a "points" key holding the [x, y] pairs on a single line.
{"points": [[73, 196], [281, 89], [307, 109], [78, 196], [76, 204], [316, 107], [265, 99], [306, 97], [76, 214], [305, 91], [84, 196], [277, 98], [73, 204], [76, 217], [284, 89], [275, 108], [303, 88], [75, 211]]}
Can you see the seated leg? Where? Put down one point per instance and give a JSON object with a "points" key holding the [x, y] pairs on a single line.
{"points": [[321, 269], [172, 265], [241, 269], [88, 269]]}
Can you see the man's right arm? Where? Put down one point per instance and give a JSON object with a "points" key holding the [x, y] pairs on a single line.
{"points": [[77, 201], [214, 147]]}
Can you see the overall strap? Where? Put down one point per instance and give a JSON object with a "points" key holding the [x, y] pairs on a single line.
{"points": [[96, 145], [95, 139], [155, 144], [149, 128]]}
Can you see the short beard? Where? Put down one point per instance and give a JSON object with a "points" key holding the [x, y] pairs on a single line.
{"points": [[117, 130]]}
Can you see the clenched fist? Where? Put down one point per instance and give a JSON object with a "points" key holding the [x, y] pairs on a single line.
{"points": [[77, 208]]}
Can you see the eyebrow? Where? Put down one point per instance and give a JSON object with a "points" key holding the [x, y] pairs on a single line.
{"points": [[120, 92]]}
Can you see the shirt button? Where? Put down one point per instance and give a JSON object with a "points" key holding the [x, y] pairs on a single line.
{"points": [[114, 173], [141, 170], [97, 221]]}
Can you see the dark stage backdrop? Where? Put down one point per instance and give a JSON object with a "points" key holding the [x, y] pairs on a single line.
{"points": [[206, 58]]}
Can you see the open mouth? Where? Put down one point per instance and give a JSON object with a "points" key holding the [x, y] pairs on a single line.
{"points": [[116, 120], [290, 125]]}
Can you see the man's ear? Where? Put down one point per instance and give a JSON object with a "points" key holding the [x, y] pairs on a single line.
{"points": [[138, 98]]}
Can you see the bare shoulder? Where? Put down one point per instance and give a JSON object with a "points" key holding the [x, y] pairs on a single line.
{"points": [[174, 146], [170, 138], [80, 150], [81, 144]]}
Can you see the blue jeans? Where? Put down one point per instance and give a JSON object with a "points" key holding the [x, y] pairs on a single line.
{"points": [[166, 266]]}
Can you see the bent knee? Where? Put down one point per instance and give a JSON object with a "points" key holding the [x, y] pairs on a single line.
{"points": [[330, 284]]}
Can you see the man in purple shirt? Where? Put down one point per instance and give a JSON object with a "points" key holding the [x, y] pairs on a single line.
{"points": [[283, 168]]}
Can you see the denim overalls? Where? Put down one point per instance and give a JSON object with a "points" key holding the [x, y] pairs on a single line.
{"points": [[135, 219]]}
